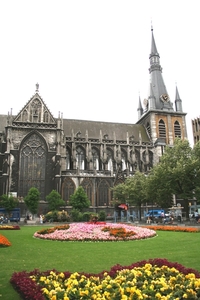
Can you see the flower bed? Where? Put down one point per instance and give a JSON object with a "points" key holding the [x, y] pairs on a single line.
{"points": [[9, 227], [95, 232], [4, 242], [172, 228], [152, 279]]}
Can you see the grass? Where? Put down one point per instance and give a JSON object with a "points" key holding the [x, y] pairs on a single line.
{"points": [[28, 253]]}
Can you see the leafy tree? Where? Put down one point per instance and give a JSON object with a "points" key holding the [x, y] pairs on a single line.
{"points": [[119, 194], [79, 199], [177, 173], [8, 202], [54, 200], [136, 190], [32, 200], [158, 188], [196, 165]]}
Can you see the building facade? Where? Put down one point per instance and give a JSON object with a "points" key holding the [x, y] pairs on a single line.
{"points": [[39, 150], [196, 130]]}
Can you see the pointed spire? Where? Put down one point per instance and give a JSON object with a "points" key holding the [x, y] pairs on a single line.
{"points": [[158, 92], [178, 101], [153, 44], [140, 109]]}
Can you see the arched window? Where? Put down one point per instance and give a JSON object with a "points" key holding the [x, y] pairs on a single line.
{"points": [[32, 165], [80, 157], [162, 129], [68, 188], [67, 159], [103, 193], [110, 160], [177, 129], [87, 185], [25, 116], [95, 159], [45, 118], [123, 161]]}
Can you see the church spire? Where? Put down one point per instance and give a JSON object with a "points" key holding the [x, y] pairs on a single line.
{"points": [[140, 109], [178, 101], [158, 88]]}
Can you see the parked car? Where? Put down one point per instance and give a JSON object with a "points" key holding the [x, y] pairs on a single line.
{"points": [[156, 214]]}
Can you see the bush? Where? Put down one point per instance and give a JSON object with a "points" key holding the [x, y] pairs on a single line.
{"points": [[76, 215], [102, 215], [86, 216], [51, 216], [63, 216]]}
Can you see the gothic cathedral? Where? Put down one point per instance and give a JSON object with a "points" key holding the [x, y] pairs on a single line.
{"points": [[39, 150]]}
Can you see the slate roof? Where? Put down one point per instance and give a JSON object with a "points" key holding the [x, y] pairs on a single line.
{"points": [[94, 127]]}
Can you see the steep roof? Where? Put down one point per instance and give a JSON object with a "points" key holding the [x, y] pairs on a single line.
{"points": [[93, 129]]}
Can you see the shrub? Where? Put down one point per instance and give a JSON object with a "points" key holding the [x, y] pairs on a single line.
{"points": [[86, 216], [76, 215], [102, 215]]}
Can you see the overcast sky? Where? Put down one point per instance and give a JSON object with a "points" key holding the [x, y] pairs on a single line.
{"points": [[91, 58]]}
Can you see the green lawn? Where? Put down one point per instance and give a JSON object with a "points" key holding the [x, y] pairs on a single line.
{"points": [[28, 253]]}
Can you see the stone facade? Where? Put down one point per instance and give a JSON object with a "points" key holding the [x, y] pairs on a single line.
{"points": [[39, 150]]}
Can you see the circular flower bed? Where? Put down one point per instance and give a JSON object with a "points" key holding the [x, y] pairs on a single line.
{"points": [[95, 232]]}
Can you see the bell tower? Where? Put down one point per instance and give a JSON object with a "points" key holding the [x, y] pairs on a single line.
{"points": [[162, 121]]}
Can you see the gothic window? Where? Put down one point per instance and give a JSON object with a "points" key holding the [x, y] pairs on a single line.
{"points": [[95, 159], [46, 115], [67, 159], [25, 116], [148, 128], [123, 161], [32, 165], [177, 129], [103, 193], [110, 160], [87, 185], [68, 188], [162, 129], [80, 157], [36, 110]]}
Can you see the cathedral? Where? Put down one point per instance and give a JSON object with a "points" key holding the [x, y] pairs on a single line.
{"points": [[39, 150]]}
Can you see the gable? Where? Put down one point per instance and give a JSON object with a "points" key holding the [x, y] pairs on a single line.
{"points": [[35, 111]]}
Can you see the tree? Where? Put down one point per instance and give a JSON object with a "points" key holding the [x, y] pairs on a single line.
{"points": [[32, 200], [8, 202], [79, 199], [158, 188], [54, 200], [136, 190], [119, 194], [177, 173]]}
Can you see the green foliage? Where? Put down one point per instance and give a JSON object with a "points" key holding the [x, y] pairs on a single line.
{"points": [[120, 193], [8, 202], [54, 200], [32, 200], [177, 173], [102, 215], [76, 215], [86, 216], [79, 199], [57, 216]]}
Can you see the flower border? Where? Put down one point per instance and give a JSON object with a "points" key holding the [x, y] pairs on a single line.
{"points": [[9, 227], [30, 289]]}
